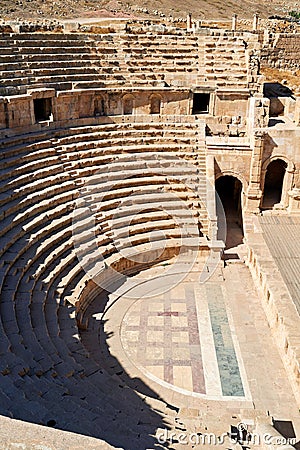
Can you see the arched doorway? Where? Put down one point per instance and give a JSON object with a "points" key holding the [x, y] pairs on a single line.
{"points": [[273, 183], [229, 196]]}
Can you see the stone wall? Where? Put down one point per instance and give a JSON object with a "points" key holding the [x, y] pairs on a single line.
{"points": [[17, 434], [281, 51], [227, 115], [278, 305]]}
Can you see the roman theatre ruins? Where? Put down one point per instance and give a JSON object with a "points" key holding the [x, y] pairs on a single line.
{"points": [[150, 235]]}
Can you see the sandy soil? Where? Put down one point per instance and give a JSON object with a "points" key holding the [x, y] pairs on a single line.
{"points": [[286, 77], [212, 9]]}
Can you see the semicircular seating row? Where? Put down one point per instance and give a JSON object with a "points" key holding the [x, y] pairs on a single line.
{"points": [[127, 182], [64, 61]]}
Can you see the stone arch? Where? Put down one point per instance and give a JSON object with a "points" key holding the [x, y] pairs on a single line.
{"points": [[277, 177], [128, 104], [234, 174], [230, 200], [290, 165], [155, 104]]}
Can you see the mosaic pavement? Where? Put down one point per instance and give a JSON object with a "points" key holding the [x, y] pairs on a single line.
{"points": [[198, 346], [185, 338]]}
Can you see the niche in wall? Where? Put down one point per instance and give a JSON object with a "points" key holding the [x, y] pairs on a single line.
{"points": [[42, 109], [201, 103]]}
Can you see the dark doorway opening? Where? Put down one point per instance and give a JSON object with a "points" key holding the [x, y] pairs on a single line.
{"points": [[128, 106], [229, 196], [155, 104], [273, 183], [99, 106], [42, 109], [200, 103]]}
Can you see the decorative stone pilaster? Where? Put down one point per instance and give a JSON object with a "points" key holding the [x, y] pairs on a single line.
{"points": [[211, 198], [254, 192], [287, 183]]}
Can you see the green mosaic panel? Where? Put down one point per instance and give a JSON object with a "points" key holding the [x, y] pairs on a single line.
{"points": [[230, 376]]}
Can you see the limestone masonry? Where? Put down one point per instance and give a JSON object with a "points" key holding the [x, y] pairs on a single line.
{"points": [[149, 239]]}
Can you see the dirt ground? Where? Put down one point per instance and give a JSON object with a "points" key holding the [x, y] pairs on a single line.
{"points": [[201, 9], [285, 77]]}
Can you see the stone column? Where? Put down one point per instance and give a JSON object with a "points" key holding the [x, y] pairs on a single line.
{"points": [[254, 192], [189, 22], [234, 22], [255, 22]]}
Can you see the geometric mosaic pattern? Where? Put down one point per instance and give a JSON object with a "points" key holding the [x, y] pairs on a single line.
{"points": [[166, 335]]}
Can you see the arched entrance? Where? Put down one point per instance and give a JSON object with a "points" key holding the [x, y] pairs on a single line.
{"points": [[229, 193], [273, 183]]}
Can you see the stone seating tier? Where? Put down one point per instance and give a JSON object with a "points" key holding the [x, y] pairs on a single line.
{"points": [[45, 371], [126, 58]]}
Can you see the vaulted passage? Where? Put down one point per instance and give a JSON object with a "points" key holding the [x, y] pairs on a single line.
{"points": [[229, 191], [273, 183]]}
